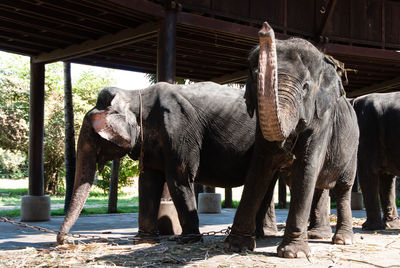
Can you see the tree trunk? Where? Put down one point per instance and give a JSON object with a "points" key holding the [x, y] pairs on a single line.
{"points": [[113, 195], [70, 153]]}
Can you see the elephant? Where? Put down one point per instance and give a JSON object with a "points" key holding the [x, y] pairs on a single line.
{"points": [[298, 97], [379, 157], [182, 134]]}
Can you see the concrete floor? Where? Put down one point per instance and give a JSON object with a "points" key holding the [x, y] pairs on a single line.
{"points": [[110, 225]]}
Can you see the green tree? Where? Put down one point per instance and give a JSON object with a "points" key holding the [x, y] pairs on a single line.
{"points": [[14, 110]]}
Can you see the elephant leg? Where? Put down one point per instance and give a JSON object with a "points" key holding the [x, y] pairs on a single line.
{"points": [[387, 192], [302, 189], [182, 193], [259, 177], [344, 230], [151, 184], [265, 219], [320, 227], [369, 183]]}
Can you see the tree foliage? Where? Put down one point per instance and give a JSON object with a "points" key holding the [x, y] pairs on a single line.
{"points": [[14, 111], [128, 169]]}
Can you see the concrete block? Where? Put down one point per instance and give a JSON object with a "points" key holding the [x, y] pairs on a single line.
{"points": [[168, 221], [35, 208], [209, 203]]}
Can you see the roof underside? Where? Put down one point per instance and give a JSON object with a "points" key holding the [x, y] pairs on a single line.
{"points": [[213, 37]]}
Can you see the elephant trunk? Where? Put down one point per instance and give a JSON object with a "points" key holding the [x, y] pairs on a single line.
{"points": [[84, 177], [273, 125]]}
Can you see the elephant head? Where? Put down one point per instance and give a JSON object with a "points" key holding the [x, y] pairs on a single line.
{"points": [[108, 131], [290, 83]]}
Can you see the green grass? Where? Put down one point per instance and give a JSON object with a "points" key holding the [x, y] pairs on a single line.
{"points": [[12, 197]]}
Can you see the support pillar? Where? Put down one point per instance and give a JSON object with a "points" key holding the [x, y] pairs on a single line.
{"points": [[168, 222], [36, 206], [209, 201], [281, 193], [113, 191], [228, 198], [69, 143]]}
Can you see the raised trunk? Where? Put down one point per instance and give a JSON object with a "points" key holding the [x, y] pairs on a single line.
{"points": [[84, 177], [272, 126]]}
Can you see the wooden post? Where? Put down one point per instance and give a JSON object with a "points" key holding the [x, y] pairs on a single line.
{"points": [[228, 198], [69, 144], [36, 206], [36, 130], [282, 193], [209, 189], [113, 191]]}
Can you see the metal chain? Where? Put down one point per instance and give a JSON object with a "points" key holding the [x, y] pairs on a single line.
{"points": [[225, 231]]}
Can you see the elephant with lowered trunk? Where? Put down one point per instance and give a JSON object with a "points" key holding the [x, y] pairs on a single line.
{"points": [[379, 157], [302, 113], [191, 133]]}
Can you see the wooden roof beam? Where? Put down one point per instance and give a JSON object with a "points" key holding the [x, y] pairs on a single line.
{"points": [[143, 6], [364, 52], [327, 18], [231, 78], [381, 87], [107, 42]]}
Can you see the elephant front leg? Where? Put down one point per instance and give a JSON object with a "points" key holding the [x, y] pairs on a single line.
{"points": [[151, 184], [266, 219], [387, 193], [242, 236], [182, 193], [303, 181], [320, 227]]}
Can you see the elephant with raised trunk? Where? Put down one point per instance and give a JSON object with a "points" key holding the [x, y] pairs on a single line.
{"points": [[297, 94], [183, 133], [379, 157]]}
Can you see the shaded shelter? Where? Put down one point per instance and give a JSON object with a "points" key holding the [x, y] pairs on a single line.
{"points": [[204, 40]]}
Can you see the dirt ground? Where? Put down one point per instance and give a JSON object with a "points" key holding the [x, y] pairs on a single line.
{"points": [[370, 249]]}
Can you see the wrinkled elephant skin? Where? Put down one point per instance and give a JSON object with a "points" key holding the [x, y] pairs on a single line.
{"points": [[192, 133], [297, 95], [379, 157]]}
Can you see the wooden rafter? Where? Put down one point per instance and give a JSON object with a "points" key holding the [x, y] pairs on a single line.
{"points": [[381, 87], [107, 42]]}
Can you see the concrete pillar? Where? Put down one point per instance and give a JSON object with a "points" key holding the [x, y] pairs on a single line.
{"points": [[36, 206]]}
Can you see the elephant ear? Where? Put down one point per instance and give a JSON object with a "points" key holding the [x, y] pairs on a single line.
{"points": [[330, 87], [116, 124]]}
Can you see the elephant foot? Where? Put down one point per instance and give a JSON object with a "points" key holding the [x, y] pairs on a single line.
{"points": [[343, 238], [266, 231], [189, 238], [238, 242], [291, 249], [147, 237], [392, 223], [320, 233], [372, 225], [64, 239]]}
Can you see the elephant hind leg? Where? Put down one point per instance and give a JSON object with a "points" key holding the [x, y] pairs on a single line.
{"points": [[369, 183], [387, 194], [342, 190], [320, 227]]}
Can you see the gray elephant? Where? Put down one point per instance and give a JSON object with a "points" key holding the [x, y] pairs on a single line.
{"points": [[379, 157], [184, 134], [302, 113]]}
